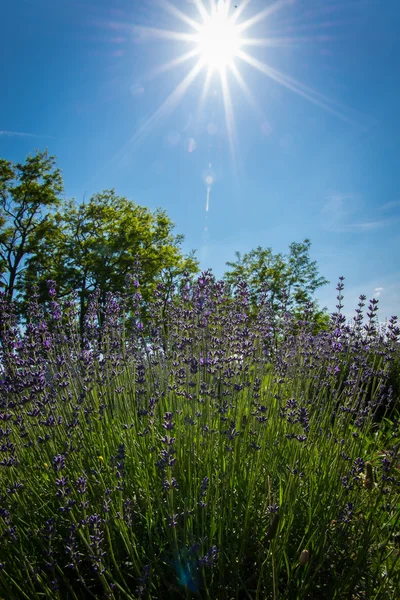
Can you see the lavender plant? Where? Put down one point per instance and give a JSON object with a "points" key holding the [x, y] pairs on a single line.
{"points": [[198, 452]]}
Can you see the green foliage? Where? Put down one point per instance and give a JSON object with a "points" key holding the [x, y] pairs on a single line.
{"points": [[84, 247], [28, 192], [95, 245], [317, 319], [290, 280]]}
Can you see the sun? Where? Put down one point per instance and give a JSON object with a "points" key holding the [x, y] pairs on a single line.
{"points": [[218, 41], [219, 45]]}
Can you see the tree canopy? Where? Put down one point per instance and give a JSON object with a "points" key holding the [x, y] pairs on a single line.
{"points": [[83, 247], [289, 280], [96, 244], [28, 193]]}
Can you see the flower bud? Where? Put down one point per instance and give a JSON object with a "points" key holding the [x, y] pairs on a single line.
{"points": [[304, 558]]}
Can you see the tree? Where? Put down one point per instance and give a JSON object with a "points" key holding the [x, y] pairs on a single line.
{"points": [[95, 245], [290, 280], [28, 192]]}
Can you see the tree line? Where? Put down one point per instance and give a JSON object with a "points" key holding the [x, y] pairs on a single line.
{"points": [[94, 245]]}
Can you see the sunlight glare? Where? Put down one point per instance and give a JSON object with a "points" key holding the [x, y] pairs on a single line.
{"points": [[219, 38], [218, 41]]}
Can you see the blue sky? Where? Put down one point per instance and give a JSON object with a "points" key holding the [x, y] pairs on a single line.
{"points": [[314, 155]]}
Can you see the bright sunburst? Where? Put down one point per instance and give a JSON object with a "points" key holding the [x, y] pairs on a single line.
{"points": [[217, 43], [218, 40]]}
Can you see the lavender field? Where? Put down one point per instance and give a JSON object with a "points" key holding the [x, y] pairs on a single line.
{"points": [[193, 447]]}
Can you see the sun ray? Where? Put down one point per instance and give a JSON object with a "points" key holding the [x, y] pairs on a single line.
{"points": [[173, 10], [205, 89], [214, 4], [282, 78], [293, 85], [166, 107], [172, 64], [229, 118], [246, 90], [149, 32], [172, 100], [263, 14], [201, 9], [279, 42], [239, 9]]}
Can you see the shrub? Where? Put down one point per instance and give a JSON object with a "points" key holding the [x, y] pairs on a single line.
{"points": [[191, 456]]}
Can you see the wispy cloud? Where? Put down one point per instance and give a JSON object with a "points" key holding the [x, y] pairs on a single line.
{"points": [[5, 133], [390, 205], [378, 291], [341, 213], [368, 225]]}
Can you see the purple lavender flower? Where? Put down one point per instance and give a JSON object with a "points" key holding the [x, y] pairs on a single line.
{"points": [[169, 441], [143, 581], [51, 285], [204, 486], [168, 485], [167, 458], [168, 424], [81, 485], [209, 559], [59, 462], [347, 513], [96, 543], [173, 520]]}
